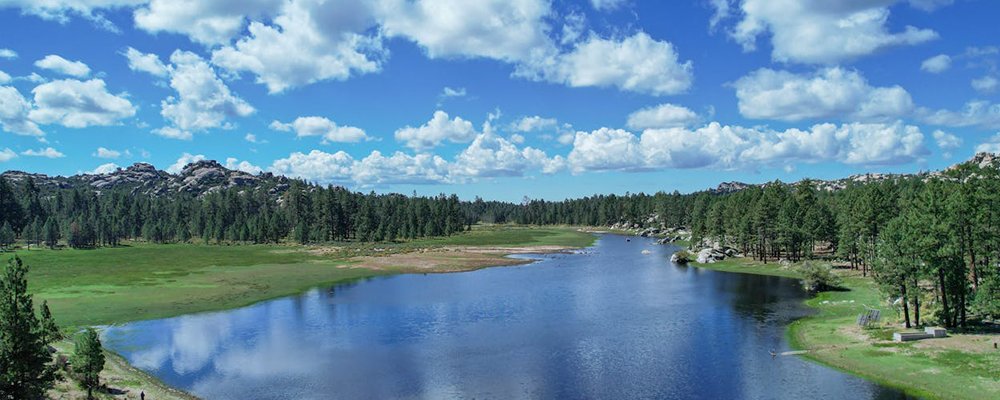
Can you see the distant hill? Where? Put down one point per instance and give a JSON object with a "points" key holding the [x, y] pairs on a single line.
{"points": [[197, 178]]}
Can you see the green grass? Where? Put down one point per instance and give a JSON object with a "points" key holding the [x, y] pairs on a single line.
{"points": [[113, 285], [924, 372], [146, 281], [748, 266]]}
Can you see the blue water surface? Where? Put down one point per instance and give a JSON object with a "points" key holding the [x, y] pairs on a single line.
{"points": [[606, 322]]}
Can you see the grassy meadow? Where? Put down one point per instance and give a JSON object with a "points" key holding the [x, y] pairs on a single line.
{"points": [[962, 366]]}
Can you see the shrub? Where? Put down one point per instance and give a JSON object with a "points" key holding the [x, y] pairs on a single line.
{"points": [[817, 277], [681, 257]]}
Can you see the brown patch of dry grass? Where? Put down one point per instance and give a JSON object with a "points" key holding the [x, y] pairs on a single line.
{"points": [[451, 259], [969, 343]]}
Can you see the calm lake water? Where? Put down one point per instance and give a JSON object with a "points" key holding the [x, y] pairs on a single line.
{"points": [[606, 322]]}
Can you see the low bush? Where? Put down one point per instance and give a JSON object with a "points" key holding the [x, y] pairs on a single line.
{"points": [[818, 277]]}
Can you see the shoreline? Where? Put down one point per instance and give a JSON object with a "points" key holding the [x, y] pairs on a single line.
{"points": [[853, 351]]}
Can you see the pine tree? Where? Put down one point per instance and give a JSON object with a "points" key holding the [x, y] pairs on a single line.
{"points": [[895, 266], [302, 232], [88, 360], [51, 232], [6, 236], [49, 329], [23, 352]]}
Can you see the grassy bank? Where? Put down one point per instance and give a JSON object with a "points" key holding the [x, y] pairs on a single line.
{"points": [[147, 281], [962, 366]]}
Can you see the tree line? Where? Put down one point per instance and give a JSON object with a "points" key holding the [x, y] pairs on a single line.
{"points": [[304, 213]]}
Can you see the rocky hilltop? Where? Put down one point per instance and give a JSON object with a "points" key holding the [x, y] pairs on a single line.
{"points": [[197, 178], [980, 160]]}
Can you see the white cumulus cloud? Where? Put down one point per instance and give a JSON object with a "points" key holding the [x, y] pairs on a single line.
{"points": [[309, 41], [203, 101], [316, 166], [982, 114], [320, 126], [829, 93], [721, 146], [662, 116], [62, 10], [145, 62], [490, 155], [206, 22], [508, 30], [947, 142], [636, 63], [102, 152], [79, 104], [47, 152], [7, 154], [986, 85], [606, 149], [14, 109], [936, 64], [534, 123], [822, 32], [400, 167], [439, 129], [63, 66]]}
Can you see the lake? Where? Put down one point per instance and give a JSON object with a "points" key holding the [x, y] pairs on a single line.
{"points": [[604, 322]]}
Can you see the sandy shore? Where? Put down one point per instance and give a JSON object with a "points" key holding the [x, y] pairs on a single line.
{"points": [[452, 259]]}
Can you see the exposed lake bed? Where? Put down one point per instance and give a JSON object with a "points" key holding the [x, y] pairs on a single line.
{"points": [[603, 322]]}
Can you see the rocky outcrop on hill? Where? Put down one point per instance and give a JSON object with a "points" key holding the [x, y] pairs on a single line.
{"points": [[197, 178], [209, 176], [980, 160], [729, 187], [141, 177]]}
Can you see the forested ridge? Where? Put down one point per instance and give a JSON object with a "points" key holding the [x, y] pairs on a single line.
{"points": [[927, 237]]}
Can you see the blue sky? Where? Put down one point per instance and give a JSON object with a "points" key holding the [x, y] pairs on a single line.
{"points": [[501, 99]]}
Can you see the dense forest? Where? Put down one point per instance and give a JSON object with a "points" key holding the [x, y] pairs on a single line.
{"points": [[304, 213], [924, 238]]}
